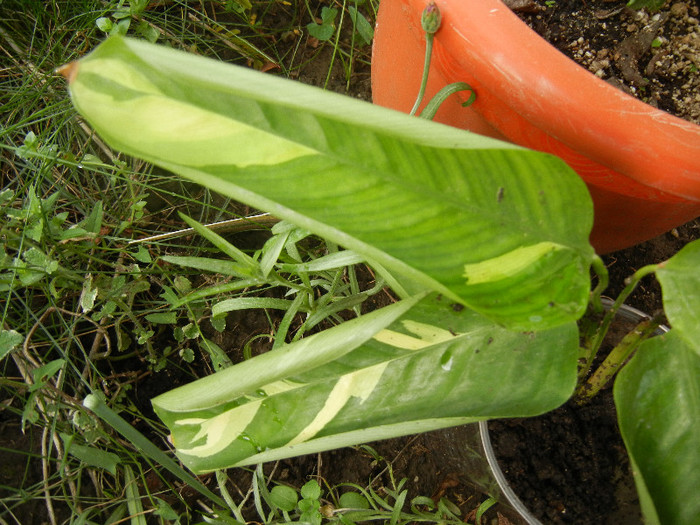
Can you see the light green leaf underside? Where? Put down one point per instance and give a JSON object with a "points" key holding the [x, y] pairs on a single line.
{"points": [[419, 198], [657, 395], [680, 281], [434, 367], [276, 366]]}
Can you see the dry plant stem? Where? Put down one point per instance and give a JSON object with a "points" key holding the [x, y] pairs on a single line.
{"points": [[615, 360], [45, 475], [260, 221]]}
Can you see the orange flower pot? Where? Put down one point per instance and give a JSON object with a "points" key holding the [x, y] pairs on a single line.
{"points": [[641, 165]]}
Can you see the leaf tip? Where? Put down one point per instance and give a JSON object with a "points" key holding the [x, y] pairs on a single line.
{"points": [[68, 71]]}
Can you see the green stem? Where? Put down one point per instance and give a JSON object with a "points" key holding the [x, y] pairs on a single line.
{"points": [[435, 102], [221, 479], [426, 70], [631, 283], [98, 406], [603, 279]]}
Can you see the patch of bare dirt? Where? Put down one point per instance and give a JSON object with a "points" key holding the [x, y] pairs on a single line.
{"points": [[652, 56]]}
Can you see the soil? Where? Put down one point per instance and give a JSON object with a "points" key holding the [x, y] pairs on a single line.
{"points": [[652, 56], [570, 465]]}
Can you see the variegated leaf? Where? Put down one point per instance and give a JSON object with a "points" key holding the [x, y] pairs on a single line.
{"points": [[499, 228], [436, 366]]}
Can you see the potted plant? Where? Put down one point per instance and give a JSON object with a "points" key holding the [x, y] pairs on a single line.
{"points": [[641, 165], [485, 242]]}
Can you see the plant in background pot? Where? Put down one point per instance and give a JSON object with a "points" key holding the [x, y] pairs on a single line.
{"points": [[641, 165], [485, 243]]}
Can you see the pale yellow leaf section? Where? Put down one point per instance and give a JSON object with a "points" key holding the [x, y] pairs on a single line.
{"points": [[168, 129], [508, 264], [359, 384], [278, 387], [428, 335], [119, 71], [220, 431]]}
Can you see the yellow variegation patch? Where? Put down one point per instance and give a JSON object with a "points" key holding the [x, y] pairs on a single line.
{"points": [[428, 335], [508, 264], [167, 129], [219, 431], [359, 384]]}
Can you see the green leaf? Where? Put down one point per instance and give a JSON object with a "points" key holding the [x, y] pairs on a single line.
{"points": [[92, 456], [142, 255], [327, 262], [214, 390], [147, 31], [121, 27], [284, 497], [354, 500], [245, 303], [324, 30], [311, 490], [223, 267], [223, 245], [218, 289], [271, 252], [93, 222], [136, 7], [362, 26], [42, 373], [164, 510], [432, 368], [657, 395], [680, 283], [38, 259], [162, 318], [191, 331], [187, 355], [219, 359], [103, 24], [133, 498], [88, 295], [9, 340], [182, 284], [219, 323], [501, 229]]}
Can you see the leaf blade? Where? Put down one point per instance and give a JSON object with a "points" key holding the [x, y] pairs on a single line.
{"points": [[421, 199], [680, 282], [657, 395], [412, 376]]}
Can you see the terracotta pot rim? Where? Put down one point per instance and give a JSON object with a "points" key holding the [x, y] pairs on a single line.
{"points": [[642, 141]]}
